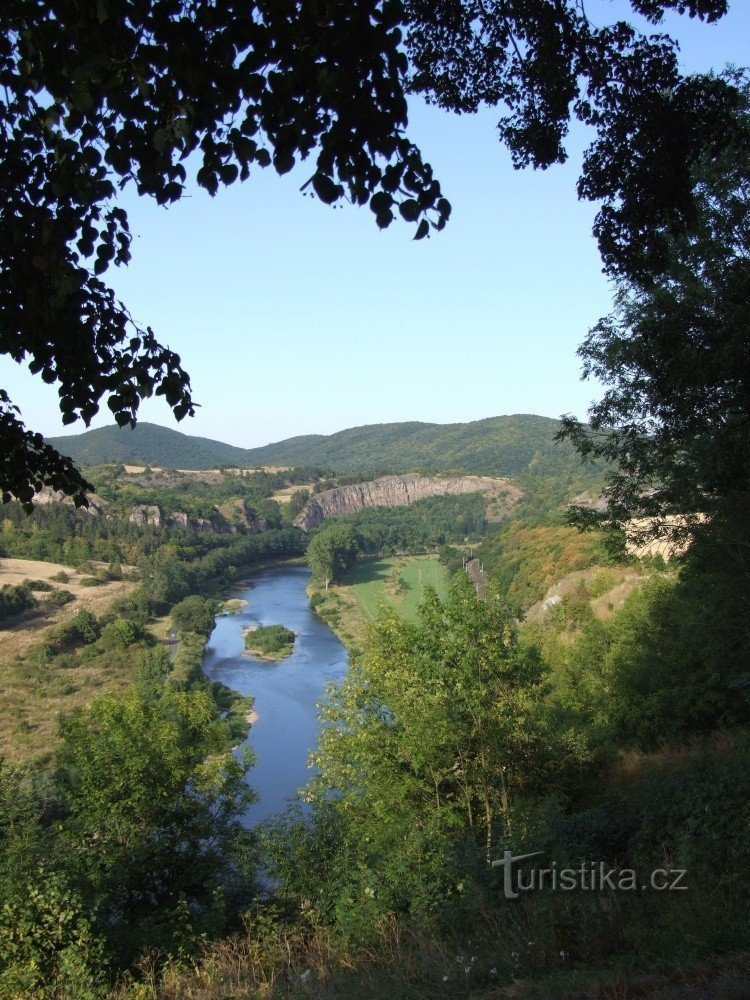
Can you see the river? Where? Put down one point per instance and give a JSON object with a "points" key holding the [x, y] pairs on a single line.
{"points": [[285, 693]]}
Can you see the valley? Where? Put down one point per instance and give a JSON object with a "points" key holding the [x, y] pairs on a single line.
{"points": [[534, 644]]}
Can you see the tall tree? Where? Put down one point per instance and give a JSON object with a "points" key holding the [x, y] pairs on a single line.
{"points": [[674, 358], [332, 551], [97, 96]]}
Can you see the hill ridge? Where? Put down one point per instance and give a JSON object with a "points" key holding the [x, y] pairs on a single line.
{"points": [[509, 445]]}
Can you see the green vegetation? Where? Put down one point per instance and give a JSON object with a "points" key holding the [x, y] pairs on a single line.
{"points": [[399, 583], [194, 614], [148, 444], [523, 560], [421, 526], [144, 850], [674, 419], [270, 642], [15, 600], [499, 446], [332, 551]]}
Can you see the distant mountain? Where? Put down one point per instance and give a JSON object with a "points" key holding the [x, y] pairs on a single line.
{"points": [[148, 444], [517, 445]]}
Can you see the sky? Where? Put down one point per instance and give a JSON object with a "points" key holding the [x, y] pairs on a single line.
{"points": [[295, 318]]}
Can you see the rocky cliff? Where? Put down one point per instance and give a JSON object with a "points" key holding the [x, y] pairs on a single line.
{"points": [[398, 491], [229, 519], [46, 495]]}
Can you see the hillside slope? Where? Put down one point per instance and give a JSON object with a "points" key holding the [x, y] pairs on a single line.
{"points": [[522, 444], [148, 444], [519, 445]]}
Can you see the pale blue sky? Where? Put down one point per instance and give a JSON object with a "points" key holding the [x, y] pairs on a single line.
{"points": [[295, 318]]}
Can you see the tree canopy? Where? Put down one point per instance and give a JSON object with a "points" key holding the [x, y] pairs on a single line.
{"points": [[98, 96], [674, 358]]}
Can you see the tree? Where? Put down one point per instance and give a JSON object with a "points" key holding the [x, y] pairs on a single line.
{"points": [[674, 357], [97, 96], [428, 743], [153, 796], [194, 614], [297, 502], [332, 551]]}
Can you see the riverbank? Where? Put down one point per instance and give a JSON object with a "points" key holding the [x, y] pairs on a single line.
{"points": [[398, 581]]}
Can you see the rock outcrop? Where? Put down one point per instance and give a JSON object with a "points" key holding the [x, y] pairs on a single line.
{"points": [[146, 515], [398, 491], [238, 514], [46, 495]]}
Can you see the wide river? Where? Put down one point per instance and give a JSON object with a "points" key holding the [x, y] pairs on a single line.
{"points": [[285, 693]]}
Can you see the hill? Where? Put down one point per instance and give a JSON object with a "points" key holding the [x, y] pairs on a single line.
{"points": [[522, 444], [518, 445], [148, 444]]}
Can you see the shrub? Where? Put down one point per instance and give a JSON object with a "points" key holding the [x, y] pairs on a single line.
{"points": [[39, 585], [59, 598], [194, 614], [14, 600]]}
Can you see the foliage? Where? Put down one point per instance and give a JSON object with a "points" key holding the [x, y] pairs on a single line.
{"points": [[297, 502], [525, 561], [499, 446], [270, 641], [332, 551], [427, 742], [152, 795], [14, 600], [420, 526], [194, 614], [60, 597], [94, 130], [148, 444], [673, 356]]}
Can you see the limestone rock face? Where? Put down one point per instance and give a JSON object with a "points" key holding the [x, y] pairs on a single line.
{"points": [[398, 491], [146, 514], [46, 495], [179, 520], [590, 500]]}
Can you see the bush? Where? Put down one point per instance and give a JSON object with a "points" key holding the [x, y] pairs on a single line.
{"points": [[194, 614], [14, 600], [118, 634], [39, 585], [59, 598]]}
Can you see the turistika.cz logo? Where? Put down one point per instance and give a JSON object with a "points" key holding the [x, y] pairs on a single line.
{"points": [[591, 876]]}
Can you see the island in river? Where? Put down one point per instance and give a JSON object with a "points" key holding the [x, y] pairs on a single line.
{"points": [[269, 642]]}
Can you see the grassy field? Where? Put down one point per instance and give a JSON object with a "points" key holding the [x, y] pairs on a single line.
{"points": [[33, 694], [399, 581]]}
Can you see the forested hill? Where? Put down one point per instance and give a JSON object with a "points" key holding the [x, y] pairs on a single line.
{"points": [[148, 444], [517, 445]]}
